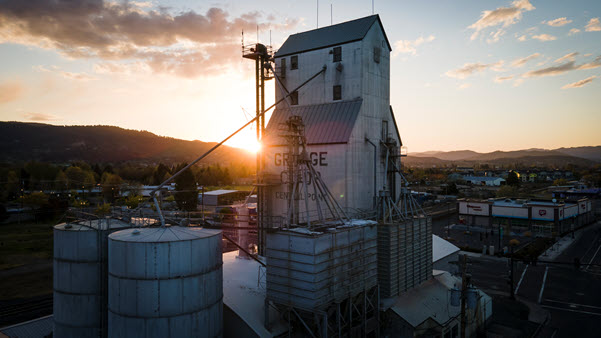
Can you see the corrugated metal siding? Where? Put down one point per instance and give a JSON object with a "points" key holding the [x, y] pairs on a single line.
{"points": [[327, 36], [324, 123]]}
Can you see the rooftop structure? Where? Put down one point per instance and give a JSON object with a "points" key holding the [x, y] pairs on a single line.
{"points": [[427, 309], [346, 32]]}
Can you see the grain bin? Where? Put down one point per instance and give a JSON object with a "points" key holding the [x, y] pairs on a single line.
{"points": [[80, 277], [165, 282]]}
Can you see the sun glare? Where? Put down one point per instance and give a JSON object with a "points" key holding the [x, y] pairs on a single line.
{"points": [[253, 146]]}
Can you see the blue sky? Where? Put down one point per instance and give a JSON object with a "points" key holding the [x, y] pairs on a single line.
{"points": [[480, 75]]}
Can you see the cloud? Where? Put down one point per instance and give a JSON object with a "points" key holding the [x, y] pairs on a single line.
{"points": [[544, 37], [570, 57], [523, 38], [580, 83], [502, 16], [521, 62], [557, 22], [39, 117], [464, 86], [473, 68], [67, 75], [518, 82], [501, 79], [186, 44], [552, 71], [408, 46], [564, 67], [593, 25], [574, 31], [591, 65], [10, 91]]}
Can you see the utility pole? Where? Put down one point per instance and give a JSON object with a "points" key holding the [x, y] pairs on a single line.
{"points": [[464, 282], [511, 273]]}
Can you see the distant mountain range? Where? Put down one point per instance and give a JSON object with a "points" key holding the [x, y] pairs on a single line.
{"points": [[100, 144], [576, 155]]}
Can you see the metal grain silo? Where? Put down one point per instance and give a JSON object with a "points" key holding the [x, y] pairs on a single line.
{"points": [[80, 277], [165, 282]]}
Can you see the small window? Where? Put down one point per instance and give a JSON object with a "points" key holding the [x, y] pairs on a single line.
{"points": [[283, 68], [337, 54], [377, 51], [384, 130], [294, 62], [294, 98], [337, 92]]}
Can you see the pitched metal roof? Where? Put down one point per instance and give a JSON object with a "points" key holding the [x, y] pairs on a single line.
{"points": [[345, 32], [324, 123], [40, 327]]}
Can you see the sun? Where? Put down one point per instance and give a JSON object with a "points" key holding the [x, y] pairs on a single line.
{"points": [[253, 146]]}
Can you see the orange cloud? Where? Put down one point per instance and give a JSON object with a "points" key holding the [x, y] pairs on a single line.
{"points": [[10, 91], [188, 44]]}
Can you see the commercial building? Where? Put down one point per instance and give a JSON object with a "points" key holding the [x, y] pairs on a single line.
{"points": [[484, 180], [542, 217]]}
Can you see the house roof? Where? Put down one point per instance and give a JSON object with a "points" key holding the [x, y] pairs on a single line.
{"points": [[218, 192], [341, 33], [482, 178], [324, 123], [429, 300]]}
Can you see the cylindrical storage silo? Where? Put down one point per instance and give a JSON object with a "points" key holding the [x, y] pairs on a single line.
{"points": [[165, 282], [80, 277]]}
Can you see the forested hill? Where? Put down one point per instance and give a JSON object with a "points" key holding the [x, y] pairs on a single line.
{"points": [[98, 144]]}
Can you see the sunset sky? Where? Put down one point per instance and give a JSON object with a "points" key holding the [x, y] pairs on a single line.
{"points": [[480, 75]]}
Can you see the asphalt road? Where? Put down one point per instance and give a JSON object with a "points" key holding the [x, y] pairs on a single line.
{"points": [[573, 296], [569, 298]]}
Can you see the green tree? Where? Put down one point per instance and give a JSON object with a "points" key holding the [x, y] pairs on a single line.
{"points": [[132, 201], [452, 189], [161, 173], [61, 181], [560, 181], [186, 192], [111, 186], [35, 199], [507, 191], [513, 179], [103, 209], [76, 177], [12, 185]]}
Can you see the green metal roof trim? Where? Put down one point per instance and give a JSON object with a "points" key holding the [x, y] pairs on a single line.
{"points": [[341, 33], [326, 123]]}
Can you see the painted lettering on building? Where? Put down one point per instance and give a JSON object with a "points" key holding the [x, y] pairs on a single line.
{"points": [[474, 207], [317, 158]]}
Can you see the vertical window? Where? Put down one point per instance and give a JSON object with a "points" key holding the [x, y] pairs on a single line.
{"points": [[337, 92], [377, 51], [337, 54], [384, 130], [283, 68], [294, 62], [294, 98]]}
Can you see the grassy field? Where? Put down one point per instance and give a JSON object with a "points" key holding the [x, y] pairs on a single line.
{"points": [[25, 260]]}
